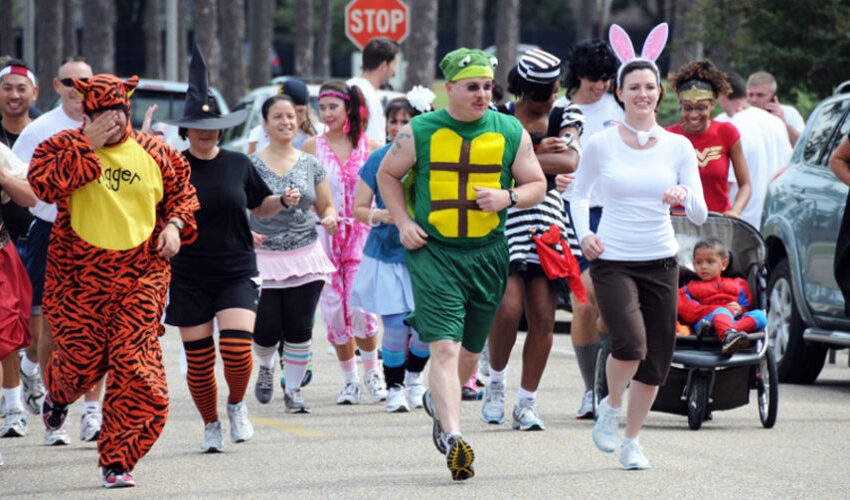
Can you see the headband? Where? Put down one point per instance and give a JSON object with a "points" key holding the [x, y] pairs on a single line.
{"points": [[538, 66], [18, 70], [696, 91], [625, 51], [338, 95]]}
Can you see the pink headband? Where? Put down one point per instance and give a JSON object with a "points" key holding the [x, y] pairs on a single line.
{"points": [[339, 95], [18, 70]]}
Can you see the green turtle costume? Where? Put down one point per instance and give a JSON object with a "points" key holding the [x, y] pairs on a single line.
{"points": [[459, 276]]}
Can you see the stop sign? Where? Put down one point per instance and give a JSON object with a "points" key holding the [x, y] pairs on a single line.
{"points": [[366, 19]]}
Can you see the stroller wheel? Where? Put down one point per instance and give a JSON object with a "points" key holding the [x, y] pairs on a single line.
{"points": [[697, 400], [767, 385]]}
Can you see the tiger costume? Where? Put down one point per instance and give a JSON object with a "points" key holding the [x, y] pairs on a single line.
{"points": [[106, 281]]}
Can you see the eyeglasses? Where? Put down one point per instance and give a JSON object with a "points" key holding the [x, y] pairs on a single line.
{"points": [[69, 82], [474, 87], [702, 108]]}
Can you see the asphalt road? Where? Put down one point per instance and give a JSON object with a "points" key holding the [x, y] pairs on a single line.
{"points": [[362, 451]]}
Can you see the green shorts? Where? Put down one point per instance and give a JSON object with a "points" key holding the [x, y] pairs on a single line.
{"points": [[457, 291]]}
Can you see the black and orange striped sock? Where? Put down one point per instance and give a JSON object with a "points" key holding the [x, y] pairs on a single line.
{"points": [[235, 349], [200, 358]]}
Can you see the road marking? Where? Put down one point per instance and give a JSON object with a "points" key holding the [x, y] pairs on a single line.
{"points": [[292, 429]]}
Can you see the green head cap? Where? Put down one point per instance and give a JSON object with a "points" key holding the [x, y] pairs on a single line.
{"points": [[467, 63]]}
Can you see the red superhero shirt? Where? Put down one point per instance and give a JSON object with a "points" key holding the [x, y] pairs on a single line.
{"points": [[712, 149], [700, 298]]}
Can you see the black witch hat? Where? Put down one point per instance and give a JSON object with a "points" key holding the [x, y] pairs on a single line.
{"points": [[201, 111]]}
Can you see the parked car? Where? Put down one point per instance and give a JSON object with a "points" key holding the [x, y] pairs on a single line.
{"points": [[800, 223]]}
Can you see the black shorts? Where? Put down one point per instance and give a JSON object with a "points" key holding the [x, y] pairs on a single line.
{"points": [[195, 303]]}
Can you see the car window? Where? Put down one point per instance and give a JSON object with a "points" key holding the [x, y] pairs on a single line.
{"points": [[170, 105], [238, 130], [822, 129]]}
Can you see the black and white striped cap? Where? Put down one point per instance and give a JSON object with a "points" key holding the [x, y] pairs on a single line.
{"points": [[539, 66]]}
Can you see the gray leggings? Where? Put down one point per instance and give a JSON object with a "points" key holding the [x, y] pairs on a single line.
{"points": [[638, 302]]}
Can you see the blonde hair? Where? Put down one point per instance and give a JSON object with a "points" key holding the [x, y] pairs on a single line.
{"points": [[762, 78]]}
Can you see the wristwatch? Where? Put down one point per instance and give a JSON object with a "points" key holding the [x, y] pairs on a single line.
{"points": [[514, 197], [177, 223]]}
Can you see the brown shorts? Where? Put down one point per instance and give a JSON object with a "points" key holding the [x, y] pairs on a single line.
{"points": [[638, 302]]}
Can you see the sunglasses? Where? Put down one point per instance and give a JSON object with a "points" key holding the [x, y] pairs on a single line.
{"points": [[69, 82], [474, 87]]}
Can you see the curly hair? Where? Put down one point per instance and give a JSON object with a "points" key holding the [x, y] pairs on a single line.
{"points": [[591, 59], [704, 71]]}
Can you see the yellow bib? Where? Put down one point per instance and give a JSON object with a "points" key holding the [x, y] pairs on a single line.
{"points": [[118, 210]]}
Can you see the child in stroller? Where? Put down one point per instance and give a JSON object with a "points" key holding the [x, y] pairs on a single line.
{"points": [[718, 302]]}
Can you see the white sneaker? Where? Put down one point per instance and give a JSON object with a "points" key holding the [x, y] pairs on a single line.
{"points": [[56, 437], [349, 395], [586, 409], [605, 433], [1, 459], [484, 362], [212, 438], [33, 392], [632, 457], [374, 380], [15, 425], [493, 411], [90, 423], [415, 389], [396, 400], [241, 428]]}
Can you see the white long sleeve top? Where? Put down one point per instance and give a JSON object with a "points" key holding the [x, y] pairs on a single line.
{"points": [[635, 224]]}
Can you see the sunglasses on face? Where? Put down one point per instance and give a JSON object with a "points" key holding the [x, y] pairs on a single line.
{"points": [[474, 87], [69, 82]]}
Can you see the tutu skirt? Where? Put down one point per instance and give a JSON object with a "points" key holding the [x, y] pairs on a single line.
{"points": [[294, 267], [382, 287]]}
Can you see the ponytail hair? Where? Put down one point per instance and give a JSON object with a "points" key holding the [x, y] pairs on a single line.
{"points": [[356, 112]]}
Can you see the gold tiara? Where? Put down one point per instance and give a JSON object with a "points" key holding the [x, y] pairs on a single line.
{"points": [[695, 94]]}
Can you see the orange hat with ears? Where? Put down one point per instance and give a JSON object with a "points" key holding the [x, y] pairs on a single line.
{"points": [[104, 91]]}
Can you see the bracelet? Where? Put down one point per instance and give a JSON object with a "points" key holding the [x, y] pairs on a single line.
{"points": [[176, 223], [282, 202], [371, 215]]}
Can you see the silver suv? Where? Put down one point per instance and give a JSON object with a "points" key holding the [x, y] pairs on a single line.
{"points": [[802, 215]]}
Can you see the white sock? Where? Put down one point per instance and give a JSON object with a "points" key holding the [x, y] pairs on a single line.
{"points": [[523, 394], [498, 377], [91, 406], [411, 378], [13, 398], [28, 368], [627, 440], [265, 355]]}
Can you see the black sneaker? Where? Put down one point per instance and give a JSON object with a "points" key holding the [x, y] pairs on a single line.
{"points": [[705, 328], [437, 433], [53, 414], [734, 340], [470, 394], [117, 478], [459, 458]]}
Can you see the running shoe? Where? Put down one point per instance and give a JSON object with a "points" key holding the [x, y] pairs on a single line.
{"points": [[493, 411], [294, 402], [213, 442], [704, 328], [734, 340], [396, 400], [349, 395], [459, 458], [437, 433], [525, 417], [15, 425], [33, 392], [415, 392], [605, 433], [632, 457], [264, 387], [241, 428], [484, 361], [56, 437], [374, 380], [53, 414], [117, 478], [90, 423], [586, 408]]}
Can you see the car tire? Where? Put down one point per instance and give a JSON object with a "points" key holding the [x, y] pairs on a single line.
{"points": [[797, 361]]}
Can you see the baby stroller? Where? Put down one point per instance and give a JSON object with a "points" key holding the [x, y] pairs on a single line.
{"points": [[701, 378]]}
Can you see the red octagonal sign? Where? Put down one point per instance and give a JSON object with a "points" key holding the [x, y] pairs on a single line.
{"points": [[366, 19]]}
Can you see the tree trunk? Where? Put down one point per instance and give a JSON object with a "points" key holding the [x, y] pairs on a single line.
{"points": [[262, 21], [323, 40], [98, 34], [304, 37], [507, 38], [206, 36], [7, 22], [184, 13], [470, 23], [69, 28], [685, 35], [153, 39], [586, 19], [420, 47], [48, 47], [231, 32]]}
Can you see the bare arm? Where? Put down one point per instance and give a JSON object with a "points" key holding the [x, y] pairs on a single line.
{"points": [[531, 184], [839, 162], [396, 164], [271, 205], [363, 209], [742, 177], [309, 146], [555, 156], [324, 206]]}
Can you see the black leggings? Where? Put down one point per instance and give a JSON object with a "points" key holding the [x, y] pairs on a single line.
{"points": [[286, 314]]}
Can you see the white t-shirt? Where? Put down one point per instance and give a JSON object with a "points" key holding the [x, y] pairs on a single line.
{"points": [[766, 147], [44, 127], [793, 117], [13, 165], [635, 224], [598, 116], [377, 128]]}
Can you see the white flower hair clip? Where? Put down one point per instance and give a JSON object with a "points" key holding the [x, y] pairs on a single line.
{"points": [[420, 98], [625, 51]]}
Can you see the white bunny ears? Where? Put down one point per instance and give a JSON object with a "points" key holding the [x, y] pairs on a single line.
{"points": [[625, 51]]}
